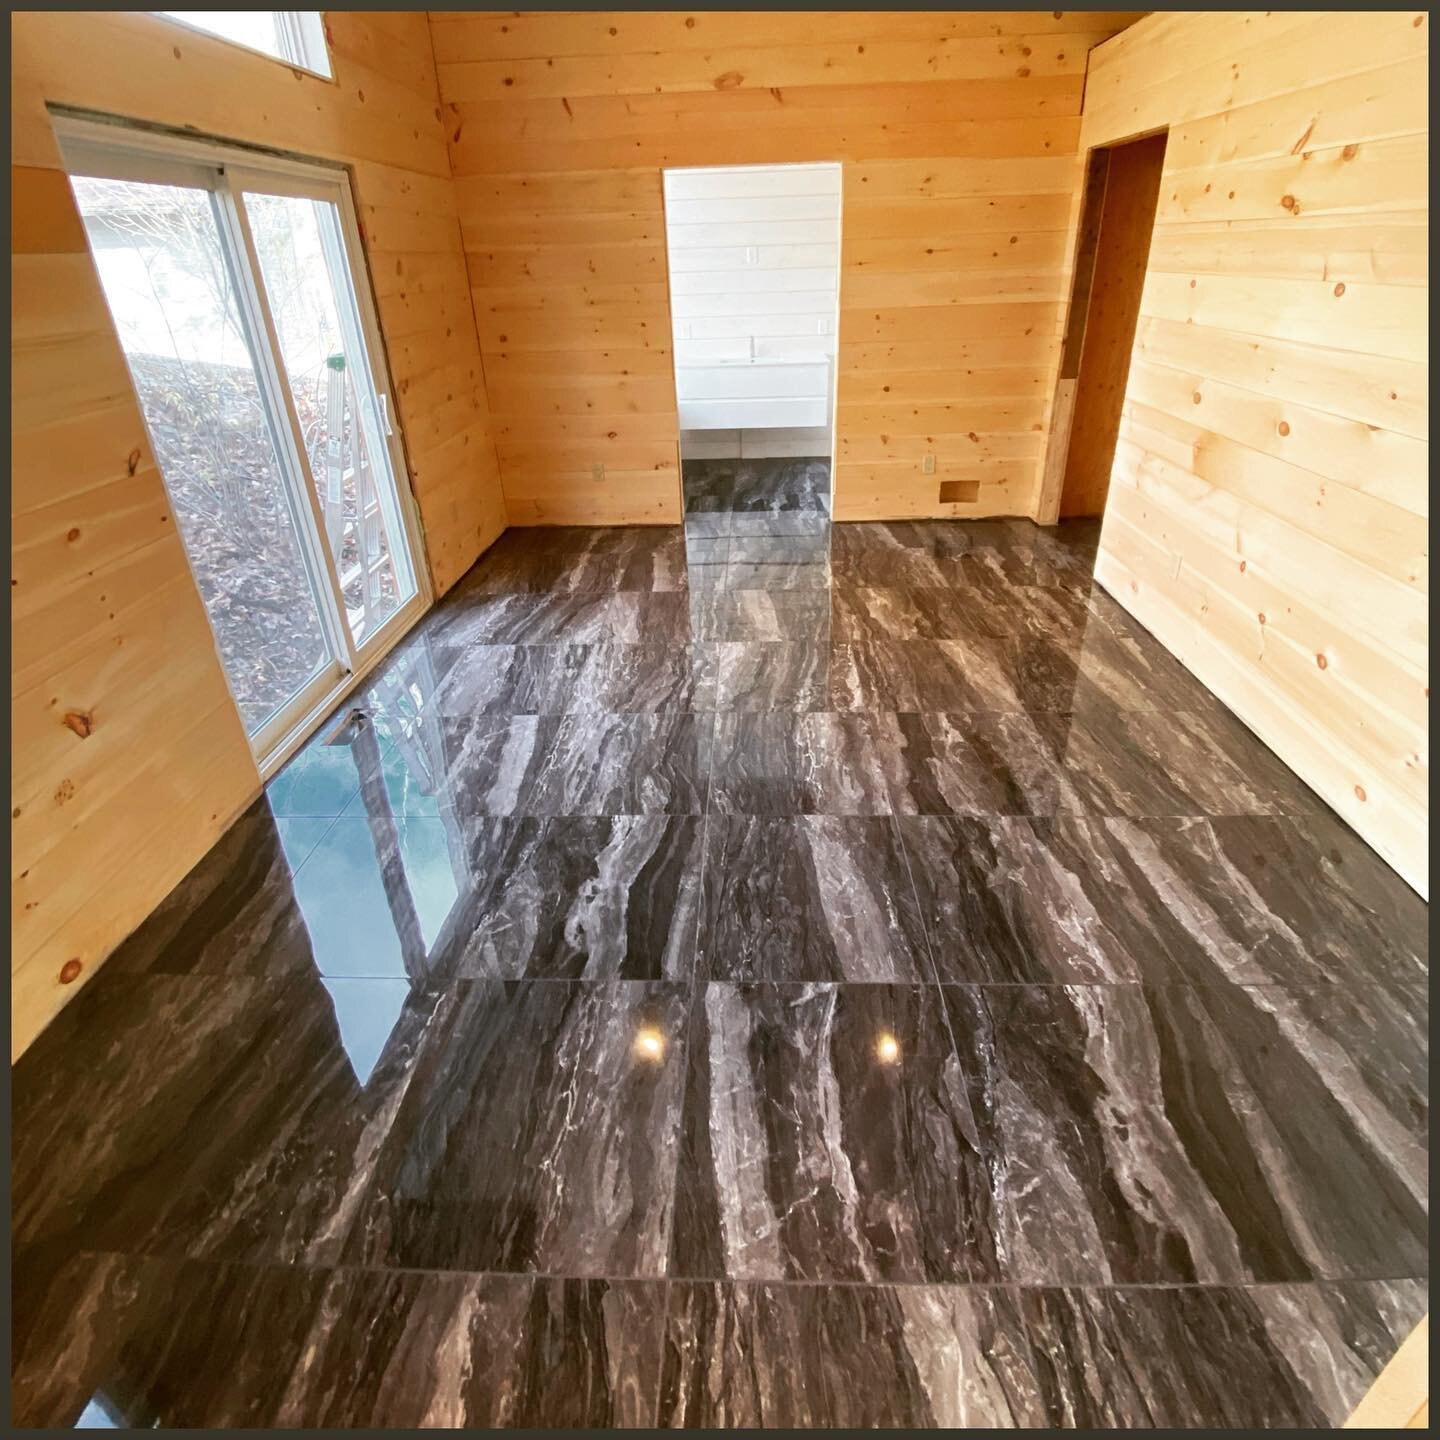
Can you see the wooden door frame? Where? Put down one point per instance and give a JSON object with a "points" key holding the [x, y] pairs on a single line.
{"points": [[1083, 259]]}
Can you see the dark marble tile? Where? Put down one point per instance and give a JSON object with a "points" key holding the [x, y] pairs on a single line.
{"points": [[947, 675], [814, 522], [802, 1356], [540, 1134], [894, 537], [584, 899], [780, 550], [572, 618], [597, 763], [145, 1343], [777, 575], [1119, 1133], [817, 897], [888, 567], [707, 550], [817, 1143], [1307, 899], [974, 603], [768, 615], [495, 680], [547, 571], [773, 763], [968, 764], [213, 1116], [1094, 668], [1231, 900], [780, 484], [1105, 761], [1147, 762], [773, 675], [235, 912], [569, 617], [620, 676]]}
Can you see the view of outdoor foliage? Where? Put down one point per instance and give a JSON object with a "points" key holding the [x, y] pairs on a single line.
{"points": [[173, 297]]}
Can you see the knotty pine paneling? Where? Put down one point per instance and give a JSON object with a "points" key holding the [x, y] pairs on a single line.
{"points": [[1267, 516], [111, 809], [958, 134]]}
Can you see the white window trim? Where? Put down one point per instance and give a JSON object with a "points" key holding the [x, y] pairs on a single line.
{"points": [[121, 151]]}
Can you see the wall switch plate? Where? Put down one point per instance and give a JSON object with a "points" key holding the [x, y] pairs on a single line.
{"points": [[597, 472], [927, 466]]}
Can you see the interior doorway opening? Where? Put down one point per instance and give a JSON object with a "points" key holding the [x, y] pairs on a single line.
{"points": [[754, 265], [1122, 188]]}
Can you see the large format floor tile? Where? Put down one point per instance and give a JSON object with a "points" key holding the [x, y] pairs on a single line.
{"points": [[764, 973]]}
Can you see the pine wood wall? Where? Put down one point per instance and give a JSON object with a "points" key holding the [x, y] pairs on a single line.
{"points": [[128, 758], [958, 131], [1267, 515]]}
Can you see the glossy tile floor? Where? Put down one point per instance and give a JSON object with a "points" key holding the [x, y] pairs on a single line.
{"points": [[761, 975]]}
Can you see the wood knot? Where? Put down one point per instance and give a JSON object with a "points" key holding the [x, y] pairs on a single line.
{"points": [[1349, 152], [1340, 288], [1322, 662], [70, 972], [82, 722], [64, 791], [1360, 792], [1283, 427], [1196, 398], [730, 80], [132, 461], [1287, 202], [73, 534]]}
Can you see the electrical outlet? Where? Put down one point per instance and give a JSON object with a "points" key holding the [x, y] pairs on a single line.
{"points": [[597, 472], [927, 466]]}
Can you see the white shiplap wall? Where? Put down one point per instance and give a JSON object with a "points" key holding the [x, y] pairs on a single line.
{"points": [[754, 283]]}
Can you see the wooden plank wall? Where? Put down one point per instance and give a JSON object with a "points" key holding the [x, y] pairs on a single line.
{"points": [[958, 132], [1267, 516], [127, 756]]}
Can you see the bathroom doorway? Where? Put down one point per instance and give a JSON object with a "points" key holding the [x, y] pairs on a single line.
{"points": [[754, 264]]}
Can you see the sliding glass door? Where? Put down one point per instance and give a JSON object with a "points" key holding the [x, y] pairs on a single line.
{"points": [[248, 328]]}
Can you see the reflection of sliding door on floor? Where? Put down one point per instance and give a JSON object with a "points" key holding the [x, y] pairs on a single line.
{"points": [[237, 292]]}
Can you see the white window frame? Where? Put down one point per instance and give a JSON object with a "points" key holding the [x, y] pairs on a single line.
{"points": [[118, 151], [302, 40]]}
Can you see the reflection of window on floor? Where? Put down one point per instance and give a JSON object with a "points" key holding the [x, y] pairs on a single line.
{"points": [[381, 895], [295, 36], [100, 1414]]}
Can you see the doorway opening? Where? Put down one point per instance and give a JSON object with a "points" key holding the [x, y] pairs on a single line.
{"points": [[754, 265], [1122, 188], [238, 290]]}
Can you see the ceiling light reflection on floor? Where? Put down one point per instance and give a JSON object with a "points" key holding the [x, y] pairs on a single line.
{"points": [[649, 1043], [887, 1048]]}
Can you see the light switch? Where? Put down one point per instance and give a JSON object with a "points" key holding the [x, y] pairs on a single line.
{"points": [[927, 466]]}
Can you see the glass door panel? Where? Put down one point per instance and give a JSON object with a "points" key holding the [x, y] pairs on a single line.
{"points": [[300, 245], [170, 279]]}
